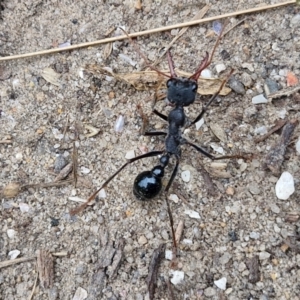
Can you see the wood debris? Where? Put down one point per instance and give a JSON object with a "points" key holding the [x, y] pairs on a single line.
{"points": [[45, 268], [148, 80], [253, 266], [156, 259], [275, 157]]}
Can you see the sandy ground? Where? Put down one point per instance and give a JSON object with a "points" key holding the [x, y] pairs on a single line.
{"points": [[245, 234]]}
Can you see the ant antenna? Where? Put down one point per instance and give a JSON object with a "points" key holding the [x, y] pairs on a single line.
{"points": [[208, 58], [171, 64], [144, 56]]}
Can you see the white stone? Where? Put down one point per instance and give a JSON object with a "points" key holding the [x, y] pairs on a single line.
{"points": [[24, 207], [11, 233], [80, 294], [199, 123], [168, 255], [220, 68], [206, 73], [298, 146], [19, 156], [221, 283], [254, 235], [217, 148], [130, 154], [178, 277], [261, 130], [85, 170], [174, 198], [264, 255], [192, 214], [248, 66], [259, 99], [186, 176], [13, 254], [285, 186]]}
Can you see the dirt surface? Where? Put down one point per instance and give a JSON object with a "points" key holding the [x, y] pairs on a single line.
{"points": [[245, 234]]}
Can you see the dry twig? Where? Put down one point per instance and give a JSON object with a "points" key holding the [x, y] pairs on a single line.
{"points": [[148, 32]]}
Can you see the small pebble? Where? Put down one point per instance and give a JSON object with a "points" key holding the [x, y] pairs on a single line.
{"points": [[142, 240], [254, 235], [295, 21], [220, 68], [248, 66], [225, 258], [246, 79], [174, 198], [168, 254], [254, 189], [285, 186], [192, 214], [275, 209], [298, 146], [130, 154], [85, 170], [261, 130], [259, 99], [206, 73], [119, 125], [230, 191], [264, 255], [80, 294], [270, 86], [60, 163], [24, 207], [19, 156], [236, 85], [186, 176], [11, 233], [225, 55], [199, 123], [221, 283], [178, 277], [209, 292], [13, 254]]}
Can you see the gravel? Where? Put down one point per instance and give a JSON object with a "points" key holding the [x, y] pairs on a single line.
{"points": [[39, 120]]}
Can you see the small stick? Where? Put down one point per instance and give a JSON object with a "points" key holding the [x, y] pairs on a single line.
{"points": [[276, 127], [6, 142], [148, 32], [275, 157], [34, 286], [11, 262]]}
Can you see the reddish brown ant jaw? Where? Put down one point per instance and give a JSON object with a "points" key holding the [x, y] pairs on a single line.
{"points": [[204, 64]]}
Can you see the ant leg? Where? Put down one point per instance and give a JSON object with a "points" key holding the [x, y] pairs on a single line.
{"points": [[154, 133], [214, 96], [92, 197], [212, 157], [175, 170]]}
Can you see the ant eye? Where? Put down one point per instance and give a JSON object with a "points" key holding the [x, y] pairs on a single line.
{"points": [[194, 87], [169, 82]]}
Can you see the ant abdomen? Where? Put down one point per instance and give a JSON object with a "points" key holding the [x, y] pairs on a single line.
{"points": [[148, 184]]}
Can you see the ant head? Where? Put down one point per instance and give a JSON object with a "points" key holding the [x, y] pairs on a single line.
{"points": [[181, 91]]}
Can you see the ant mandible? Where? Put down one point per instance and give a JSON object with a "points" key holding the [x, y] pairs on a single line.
{"points": [[181, 92]]}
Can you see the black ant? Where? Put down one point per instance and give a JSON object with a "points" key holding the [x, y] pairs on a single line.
{"points": [[181, 92]]}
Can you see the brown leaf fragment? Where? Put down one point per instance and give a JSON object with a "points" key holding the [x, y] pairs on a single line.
{"points": [[51, 76], [148, 80], [253, 266], [209, 185], [275, 157], [45, 268], [156, 259]]}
